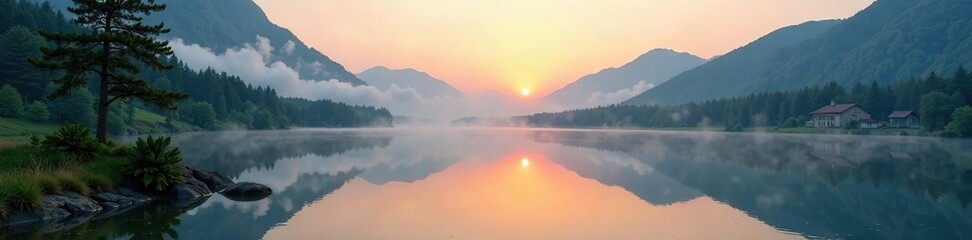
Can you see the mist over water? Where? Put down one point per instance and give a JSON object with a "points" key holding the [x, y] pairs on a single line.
{"points": [[422, 183]]}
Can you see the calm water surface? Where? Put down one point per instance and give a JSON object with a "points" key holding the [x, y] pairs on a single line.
{"points": [[560, 184]]}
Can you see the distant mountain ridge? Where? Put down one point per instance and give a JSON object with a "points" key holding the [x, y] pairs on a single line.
{"points": [[740, 63], [382, 78], [653, 68], [223, 24], [891, 40]]}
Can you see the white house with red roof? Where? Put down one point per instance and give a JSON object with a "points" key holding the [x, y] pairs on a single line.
{"points": [[838, 115]]}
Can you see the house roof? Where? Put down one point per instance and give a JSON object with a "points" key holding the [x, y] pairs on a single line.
{"points": [[834, 109], [902, 114]]}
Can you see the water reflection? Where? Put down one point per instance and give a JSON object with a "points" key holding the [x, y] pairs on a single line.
{"points": [[554, 184], [824, 186], [507, 199]]}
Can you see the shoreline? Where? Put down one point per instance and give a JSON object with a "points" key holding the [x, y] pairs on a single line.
{"points": [[70, 209]]}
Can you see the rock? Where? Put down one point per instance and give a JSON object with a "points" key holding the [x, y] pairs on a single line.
{"points": [[53, 208], [184, 193], [114, 198], [215, 181], [110, 206], [247, 191], [136, 197], [49, 211], [189, 189], [79, 205]]}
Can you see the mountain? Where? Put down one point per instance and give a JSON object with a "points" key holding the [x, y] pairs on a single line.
{"points": [[891, 40], [224, 24], [230, 100], [653, 68], [719, 73], [430, 87]]}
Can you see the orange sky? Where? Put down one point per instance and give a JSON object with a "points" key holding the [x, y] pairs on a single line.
{"points": [[508, 45]]}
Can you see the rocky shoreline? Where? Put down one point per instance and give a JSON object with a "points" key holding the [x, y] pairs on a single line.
{"points": [[67, 210]]}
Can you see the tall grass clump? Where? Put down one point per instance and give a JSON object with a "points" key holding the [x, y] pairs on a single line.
{"points": [[47, 183], [96, 182], [20, 192], [4, 207], [71, 181]]}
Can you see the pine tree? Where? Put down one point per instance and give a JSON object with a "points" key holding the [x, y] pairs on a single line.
{"points": [[962, 82], [116, 40], [19, 43]]}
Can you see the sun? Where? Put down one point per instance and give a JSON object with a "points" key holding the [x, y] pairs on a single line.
{"points": [[525, 162], [525, 92]]}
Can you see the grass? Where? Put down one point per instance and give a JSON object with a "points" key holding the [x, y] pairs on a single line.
{"points": [[19, 191], [149, 122], [27, 172], [13, 130]]}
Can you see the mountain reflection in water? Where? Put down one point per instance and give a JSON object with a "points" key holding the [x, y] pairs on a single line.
{"points": [[471, 183]]}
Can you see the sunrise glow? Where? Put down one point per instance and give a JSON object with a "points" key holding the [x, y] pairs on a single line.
{"points": [[525, 162], [489, 45], [525, 92]]}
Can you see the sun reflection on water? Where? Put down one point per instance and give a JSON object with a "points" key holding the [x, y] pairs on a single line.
{"points": [[476, 199]]}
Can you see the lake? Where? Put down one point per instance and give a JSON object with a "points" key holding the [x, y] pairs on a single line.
{"points": [[484, 183]]}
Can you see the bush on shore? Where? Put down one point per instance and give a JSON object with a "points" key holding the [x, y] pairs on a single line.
{"points": [[59, 164]]}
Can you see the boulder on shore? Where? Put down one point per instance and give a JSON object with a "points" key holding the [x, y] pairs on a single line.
{"points": [[215, 181], [188, 189], [247, 191]]}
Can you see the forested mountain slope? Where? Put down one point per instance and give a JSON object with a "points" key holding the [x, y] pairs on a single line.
{"points": [[217, 100], [222, 24], [891, 40]]}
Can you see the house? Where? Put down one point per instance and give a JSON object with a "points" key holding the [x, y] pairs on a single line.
{"points": [[838, 115], [869, 124], [904, 119]]}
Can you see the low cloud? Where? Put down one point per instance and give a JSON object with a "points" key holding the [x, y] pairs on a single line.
{"points": [[253, 63], [289, 47], [250, 63], [601, 99]]}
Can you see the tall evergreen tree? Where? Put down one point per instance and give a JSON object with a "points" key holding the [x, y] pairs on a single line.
{"points": [[116, 40], [962, 82], [18, 43]]}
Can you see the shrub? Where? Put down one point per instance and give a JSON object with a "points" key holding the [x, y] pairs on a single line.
{"points": [[852, 125], [37, 111], [76, 107], [153, 163], [961, 124], [75, 140], [11, 103], [21, 192], [790, 122]]}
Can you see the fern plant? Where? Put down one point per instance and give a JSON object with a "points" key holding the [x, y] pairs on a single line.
{"points": [[75, 140], [153, 163]]}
